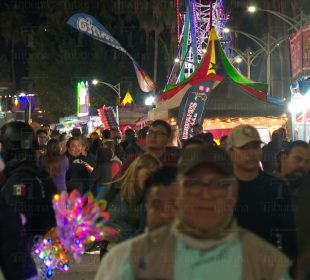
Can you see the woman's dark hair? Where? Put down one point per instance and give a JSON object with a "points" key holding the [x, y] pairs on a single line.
{"points": [[52, 157], [95, 145], [71, 139]]}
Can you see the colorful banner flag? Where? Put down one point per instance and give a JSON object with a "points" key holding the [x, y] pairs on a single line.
{"points": [[296, 54], [193, 108], [306, 49], [90, 26]]}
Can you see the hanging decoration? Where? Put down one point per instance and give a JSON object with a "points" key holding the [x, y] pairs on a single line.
{"points": [[127, 99], [80, 221], [90, 26], [107, 116]]}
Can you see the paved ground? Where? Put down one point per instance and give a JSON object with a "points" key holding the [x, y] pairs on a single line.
{"points": [[86, 270]]}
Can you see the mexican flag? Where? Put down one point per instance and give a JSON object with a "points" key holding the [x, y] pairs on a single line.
{"points": [[19, 190]]}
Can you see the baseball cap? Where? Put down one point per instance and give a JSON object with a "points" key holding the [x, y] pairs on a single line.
{"points": [[242, 135], [196, 156]]}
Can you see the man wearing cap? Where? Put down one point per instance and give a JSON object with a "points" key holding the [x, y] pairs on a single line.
{"points": [[205, 241], [264, 203]]}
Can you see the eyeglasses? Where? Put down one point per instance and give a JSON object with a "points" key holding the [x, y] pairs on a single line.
{"points": [[217, 188], [156, 133]]}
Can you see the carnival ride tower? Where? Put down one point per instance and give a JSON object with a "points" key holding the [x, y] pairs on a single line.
{"points": [[194, 21]]}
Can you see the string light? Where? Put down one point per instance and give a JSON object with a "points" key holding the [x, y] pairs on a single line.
{"points": [[173, 121], [216, 123]]}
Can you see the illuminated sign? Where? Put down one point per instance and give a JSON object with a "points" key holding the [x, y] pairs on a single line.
{"points": [[82, 99]]}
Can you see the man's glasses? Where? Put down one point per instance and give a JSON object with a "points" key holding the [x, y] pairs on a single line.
{"points": [[217, 188], [156, 133]]}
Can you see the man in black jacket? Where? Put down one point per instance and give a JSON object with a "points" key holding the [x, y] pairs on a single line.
{"points": [[264, 203]]}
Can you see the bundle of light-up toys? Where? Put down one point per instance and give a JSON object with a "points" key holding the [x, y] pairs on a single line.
{"points": [[80, 221]]}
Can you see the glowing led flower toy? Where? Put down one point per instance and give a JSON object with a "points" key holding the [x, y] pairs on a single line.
{"points": [[80, 220]]}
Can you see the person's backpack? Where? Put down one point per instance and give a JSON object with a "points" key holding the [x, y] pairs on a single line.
{"points": [[37, 203]]}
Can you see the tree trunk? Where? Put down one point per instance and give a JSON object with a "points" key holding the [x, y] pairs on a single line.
{"points": [[12, 63], [167, 53], [155, 55], [147, 42]]}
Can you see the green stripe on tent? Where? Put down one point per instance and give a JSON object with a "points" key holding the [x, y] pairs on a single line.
{"points": [[233, 73], [184, 45]]}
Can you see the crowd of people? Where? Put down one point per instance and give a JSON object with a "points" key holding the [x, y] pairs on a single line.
{"points": [[181, 209]]}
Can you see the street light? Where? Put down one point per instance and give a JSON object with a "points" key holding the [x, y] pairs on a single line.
{"points": [[117, 90], [238, 59], [248, 56], [149, 101], [267, 47], [257, 40], [29, 105], [292, 22]]}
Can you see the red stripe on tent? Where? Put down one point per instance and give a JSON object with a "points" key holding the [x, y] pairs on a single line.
{"points": [[199, 74], [258, 94], [170, 93], [210, 77]]}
